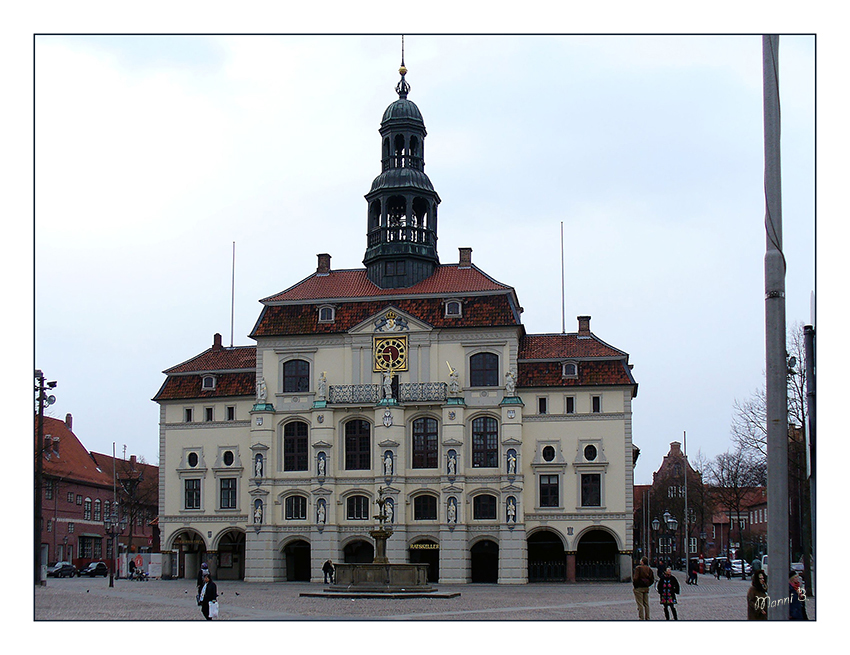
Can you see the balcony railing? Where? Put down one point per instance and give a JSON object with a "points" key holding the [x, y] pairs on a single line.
{"points": [[408, 392]]}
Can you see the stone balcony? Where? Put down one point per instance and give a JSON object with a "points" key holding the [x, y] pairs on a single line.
{"points": [[408, 392]]}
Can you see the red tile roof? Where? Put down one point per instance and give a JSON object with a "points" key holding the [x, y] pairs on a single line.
{"points": [[218, 359], [189, 386], [72, 461], [565, 346], [348, 284], [478, 311]]}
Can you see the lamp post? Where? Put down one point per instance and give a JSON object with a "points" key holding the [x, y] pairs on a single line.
{"points": [[113, 528], [42, 400], [670, 523]]}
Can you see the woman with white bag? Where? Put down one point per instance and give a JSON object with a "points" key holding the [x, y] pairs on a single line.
{"points": [[207, 598]]}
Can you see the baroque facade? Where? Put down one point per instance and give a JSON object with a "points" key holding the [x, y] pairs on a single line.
{"points": [[503, 456]]}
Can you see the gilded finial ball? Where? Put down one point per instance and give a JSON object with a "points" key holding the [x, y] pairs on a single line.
{"points": [[402, 70]]}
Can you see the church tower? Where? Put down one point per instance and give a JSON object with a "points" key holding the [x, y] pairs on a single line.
{"points": [[402, 204]]}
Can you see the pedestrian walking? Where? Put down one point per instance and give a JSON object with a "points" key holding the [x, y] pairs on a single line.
{"points": [[642, 579], [757, 598], [797, 597], [328, 570], [727, 566], [207, 595], [204, 571], [693, 572], [668, 589]]}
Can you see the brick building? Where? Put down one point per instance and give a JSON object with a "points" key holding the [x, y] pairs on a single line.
{"points": [[78, 495]]}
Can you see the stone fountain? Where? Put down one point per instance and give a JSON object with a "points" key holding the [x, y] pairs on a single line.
{"points": [[381, 578]]}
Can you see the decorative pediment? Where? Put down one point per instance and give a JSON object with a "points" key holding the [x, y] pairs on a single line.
{"points": [[452, 489], [321, 491], [512, 441], [258, 493], [390, 320], [322, 444], [259, 447], [388, 443], [452, 442], [512, 488]]}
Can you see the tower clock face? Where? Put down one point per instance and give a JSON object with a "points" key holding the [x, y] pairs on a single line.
{"points": [[391, 353]]}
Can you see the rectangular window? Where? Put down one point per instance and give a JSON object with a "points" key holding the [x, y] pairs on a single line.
{"points": [[187, 415], [357, 446], [86, 547], [193, 493], [591, 490], [97, 548], [425, 443], [542, 405], [228, 493], [48, 490], [50, 525], [549, 496], [570, 405], [295, 450], [485, 442], [70, 496], [357, 508], [692, 545], [596, 402], [231, 413], [70, 527], [79, 499], [295, 508], [208, 414], [425, 508]]}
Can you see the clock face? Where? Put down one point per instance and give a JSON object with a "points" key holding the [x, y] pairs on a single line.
{"points": [[391, 353]]}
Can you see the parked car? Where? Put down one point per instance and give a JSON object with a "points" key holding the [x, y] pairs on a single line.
{"points": [[62, 570], [795, 566], [95, 568], [736, 567]]}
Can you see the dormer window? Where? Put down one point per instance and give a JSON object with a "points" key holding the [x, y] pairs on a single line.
{"points": [[569, 370], [208, 383], [327, 314], [453, 309]]}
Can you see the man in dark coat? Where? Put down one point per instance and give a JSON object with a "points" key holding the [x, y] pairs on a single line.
{"points": [[208, 594], [642, 580], [328, 570]]}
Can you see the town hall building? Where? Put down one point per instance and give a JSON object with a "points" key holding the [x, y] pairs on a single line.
{"points": [[501, 456]]}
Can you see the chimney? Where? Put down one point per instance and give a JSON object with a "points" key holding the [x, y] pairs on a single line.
{"points": [[69, 421], [216, 342], [584, 326], [133, 462], [465, 258], [56, 445], [324, 267], [675, 448]]}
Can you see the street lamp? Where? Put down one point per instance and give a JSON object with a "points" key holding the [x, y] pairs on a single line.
{"points": [[113, 528], [670, 523], [42, 400]]}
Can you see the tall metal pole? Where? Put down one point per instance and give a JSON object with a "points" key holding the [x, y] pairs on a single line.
{"points": [[775, 355], [809, 340], [39, 473], [687, 540]]}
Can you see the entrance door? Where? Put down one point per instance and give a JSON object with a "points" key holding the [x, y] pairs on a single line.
{"points": [[358, 552], [547, 561], [484, 561], [426, 552], [297, 557], [231, 556], [596, 556]]}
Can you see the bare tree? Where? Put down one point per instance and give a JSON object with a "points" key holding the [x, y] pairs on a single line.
{"points": [[733, 475]]}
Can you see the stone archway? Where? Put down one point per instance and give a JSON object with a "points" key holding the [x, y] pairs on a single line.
{"points": [[426, 551], [188, 552], [297, 562], [358, 551], [547, 560], [231, 556], [484, 561], [597, 556]]}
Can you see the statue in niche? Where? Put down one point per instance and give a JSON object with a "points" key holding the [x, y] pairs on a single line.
{"points": [[320, 513], [388, 510], [452, 463], [387, 377], [322, 387], [321, 464], [258, 511], [511, 510], [388, 463], [258, 465], [510, 383], [452, 511], [511, 462], [262, 392]]}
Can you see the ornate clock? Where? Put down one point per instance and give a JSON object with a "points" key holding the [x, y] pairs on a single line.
{"points": [[390, 353]]}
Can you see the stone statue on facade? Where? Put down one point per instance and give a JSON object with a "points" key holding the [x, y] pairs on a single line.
{"points": [[510, 383], [454, 381], [258, 511], [258, 466], [262, 392], [511, 463], [388, 463], [452, 511], [452, 464], [321, 465], [511, 510], [322, 387]]}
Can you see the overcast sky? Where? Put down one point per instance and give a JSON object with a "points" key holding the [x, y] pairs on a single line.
{"points": [[155, 154]]}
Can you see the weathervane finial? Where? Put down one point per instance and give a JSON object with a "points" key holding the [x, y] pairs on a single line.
{"points": [[403, 88]]}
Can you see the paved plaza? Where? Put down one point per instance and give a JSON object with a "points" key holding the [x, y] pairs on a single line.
{"points": [[79, 599]]}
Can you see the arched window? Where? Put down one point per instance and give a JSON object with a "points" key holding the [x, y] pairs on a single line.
{"points": [[485, 442], [357, 508], [484, 370], [425, 443], [97, 516], [296, 376], [295, 446], [295, 508], [484, 507], [87, 509], [358, 443], [425, 508]]}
